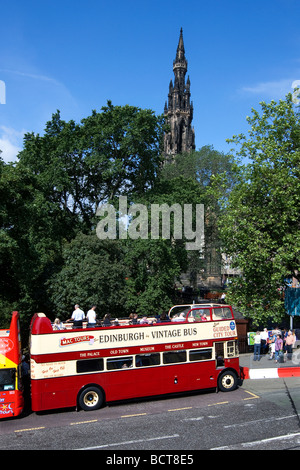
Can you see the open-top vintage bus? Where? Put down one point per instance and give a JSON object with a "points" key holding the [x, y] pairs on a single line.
{"points": [[87, 367], [11, 387]]}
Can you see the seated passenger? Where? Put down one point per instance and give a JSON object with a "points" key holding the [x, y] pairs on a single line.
{"points": [[204, 317], [163, 317], [133, 319], [181, 317], [145, 321], [58, 325], [106, 320]]}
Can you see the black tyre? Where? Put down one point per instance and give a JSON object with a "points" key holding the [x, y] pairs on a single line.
{"points": [[227, 381], [91, 398]]}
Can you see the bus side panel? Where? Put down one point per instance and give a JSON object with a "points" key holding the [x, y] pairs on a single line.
{"points": [[11, 398], [19, 403], [62, 392], [48, 394], [11, 403], [203, 375], [131, 383], [233, 363]]}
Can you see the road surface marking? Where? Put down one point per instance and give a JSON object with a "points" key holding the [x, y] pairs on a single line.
{"points": [[179, 409], [220, 403], [84, 422], [262, 441], [29, 429], [252, 397], [129, 442]]}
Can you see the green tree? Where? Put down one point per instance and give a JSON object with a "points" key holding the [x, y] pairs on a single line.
{"points": [[156, 264], [57, 161], [114, 152], [152, 267], [92, 272], [260, 225], [51, 194], [205, 176], [123, 145], [29, 241], [203, 166]]}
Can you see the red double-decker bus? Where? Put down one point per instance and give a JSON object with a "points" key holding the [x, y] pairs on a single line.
{"points": [[11, 387], [87, 367]]}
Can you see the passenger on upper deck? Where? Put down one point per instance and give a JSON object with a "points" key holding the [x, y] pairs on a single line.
{"points": [[163, 317], [145, 321], [106, 320], [133, 319], [91, 317], [181, 317], [58, 325], [77, 317]]}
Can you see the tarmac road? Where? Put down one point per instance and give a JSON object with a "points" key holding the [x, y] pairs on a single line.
{"points": [[261, 414]]}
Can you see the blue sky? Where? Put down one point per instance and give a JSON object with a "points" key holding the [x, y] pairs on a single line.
{"points": [[74, 55]]}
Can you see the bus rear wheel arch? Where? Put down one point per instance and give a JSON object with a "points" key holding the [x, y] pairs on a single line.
{"points": [[91, 398], [227, 381]]}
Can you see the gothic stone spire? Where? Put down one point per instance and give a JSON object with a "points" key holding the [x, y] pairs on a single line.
{"points": [[179, 110]]}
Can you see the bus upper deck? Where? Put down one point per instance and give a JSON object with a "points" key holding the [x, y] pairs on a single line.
{"points": [[189, 313]]}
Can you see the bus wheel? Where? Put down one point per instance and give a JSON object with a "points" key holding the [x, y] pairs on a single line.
{"points": [[227, 381], [91, 398]]}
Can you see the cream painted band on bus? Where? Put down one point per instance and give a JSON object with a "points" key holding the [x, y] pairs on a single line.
{"points": [[64, 342]]}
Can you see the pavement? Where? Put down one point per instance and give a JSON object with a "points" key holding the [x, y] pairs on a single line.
{"points": [[265, 368]]}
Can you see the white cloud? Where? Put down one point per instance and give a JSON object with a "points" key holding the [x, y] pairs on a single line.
{"points": [[272, 89], [35, 76], [11, 142]]}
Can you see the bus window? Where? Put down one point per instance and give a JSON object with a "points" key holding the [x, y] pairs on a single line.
{"points": [[7, 379], [177, 310], [89, 365], [221, 313], [200, 355], [174, 356], [199, 315], [145, 360], [119, 363], [232, 349]]}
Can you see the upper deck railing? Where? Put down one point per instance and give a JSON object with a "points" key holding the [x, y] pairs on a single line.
{"points": [[197, 313]]}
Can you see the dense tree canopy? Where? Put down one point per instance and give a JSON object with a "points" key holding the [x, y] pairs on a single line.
{"points": [[261, 223], [114, 152], [29, 239], [49, 197], [92, 272]]}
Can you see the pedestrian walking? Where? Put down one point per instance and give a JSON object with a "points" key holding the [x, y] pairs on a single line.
{"points": [[264, 341], [278, 349], [289, 344]]}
